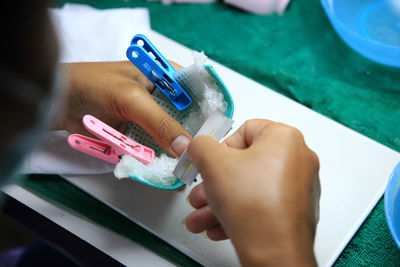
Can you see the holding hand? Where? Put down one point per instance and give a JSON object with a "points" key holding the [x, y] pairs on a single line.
{"points": [[260, 189], [116, 93]]}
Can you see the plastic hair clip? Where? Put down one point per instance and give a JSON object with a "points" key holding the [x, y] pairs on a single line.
{"points": [[157, 69], [113, 146]]}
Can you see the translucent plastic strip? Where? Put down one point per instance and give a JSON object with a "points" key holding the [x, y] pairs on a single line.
{"points": [[217, 125]]}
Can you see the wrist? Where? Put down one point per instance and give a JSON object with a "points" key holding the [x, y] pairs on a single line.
{"points": [[282, 253], [273, 257]]}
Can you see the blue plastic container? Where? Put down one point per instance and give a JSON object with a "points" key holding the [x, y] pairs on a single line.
{"points": [[370, 27], [392, 204]]}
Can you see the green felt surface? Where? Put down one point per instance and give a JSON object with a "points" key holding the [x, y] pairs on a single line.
{"points": [[297, 54]]}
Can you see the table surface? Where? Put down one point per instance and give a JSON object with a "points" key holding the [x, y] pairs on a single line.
{"points": [[300, 56]]}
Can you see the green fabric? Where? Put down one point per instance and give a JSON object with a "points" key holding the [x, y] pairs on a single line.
{"points": [[297, 54]]}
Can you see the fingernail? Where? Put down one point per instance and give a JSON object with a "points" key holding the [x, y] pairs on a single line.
{"points": [[180, 144], [187, 201], [181, 190], [204, 234]]}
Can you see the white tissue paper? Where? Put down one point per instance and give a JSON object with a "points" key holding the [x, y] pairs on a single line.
{"points": [[159, 172], [74, 23]]}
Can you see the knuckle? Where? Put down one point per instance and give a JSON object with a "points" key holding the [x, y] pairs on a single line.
{"points": [[295, 133], [314, 159], [165, 125], [128, 94], [289, 132], [131, 92], [126, 101]]}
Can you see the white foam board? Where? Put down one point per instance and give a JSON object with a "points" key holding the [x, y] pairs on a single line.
{"points": [[354, 172]]}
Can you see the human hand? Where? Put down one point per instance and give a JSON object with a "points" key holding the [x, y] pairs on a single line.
{"points": [[260, 189], [116, 93]]}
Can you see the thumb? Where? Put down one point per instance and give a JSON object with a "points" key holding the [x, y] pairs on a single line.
{"points": [[207, 155]]}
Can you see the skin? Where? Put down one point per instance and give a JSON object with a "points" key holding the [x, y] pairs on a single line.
{"points": [[260, 189], [116, 93]]}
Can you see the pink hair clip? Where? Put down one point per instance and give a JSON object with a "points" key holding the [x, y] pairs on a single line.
{"points": [[113, 146]]}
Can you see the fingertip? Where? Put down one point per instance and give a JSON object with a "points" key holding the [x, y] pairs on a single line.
{"points": [[216, 233], [190, 223], [200, 220], [197, 197], [203, 139], [200, 146]]}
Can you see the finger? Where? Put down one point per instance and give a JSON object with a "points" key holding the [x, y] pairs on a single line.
{"points": [[197, 198], [75, 126], [167, 132], [216, 233], [175, 65], [133, 73], [181, 189], [203, 150], [247, 133], [201, 220]]}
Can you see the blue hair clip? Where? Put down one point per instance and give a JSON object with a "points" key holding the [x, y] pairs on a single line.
{"points": [[157, 69]]}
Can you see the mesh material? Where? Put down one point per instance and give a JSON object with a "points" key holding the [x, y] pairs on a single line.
{"points": [[194, 84]]}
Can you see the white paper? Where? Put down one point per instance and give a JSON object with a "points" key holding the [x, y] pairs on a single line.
{"points": [[88, 34], [56, 156]]}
